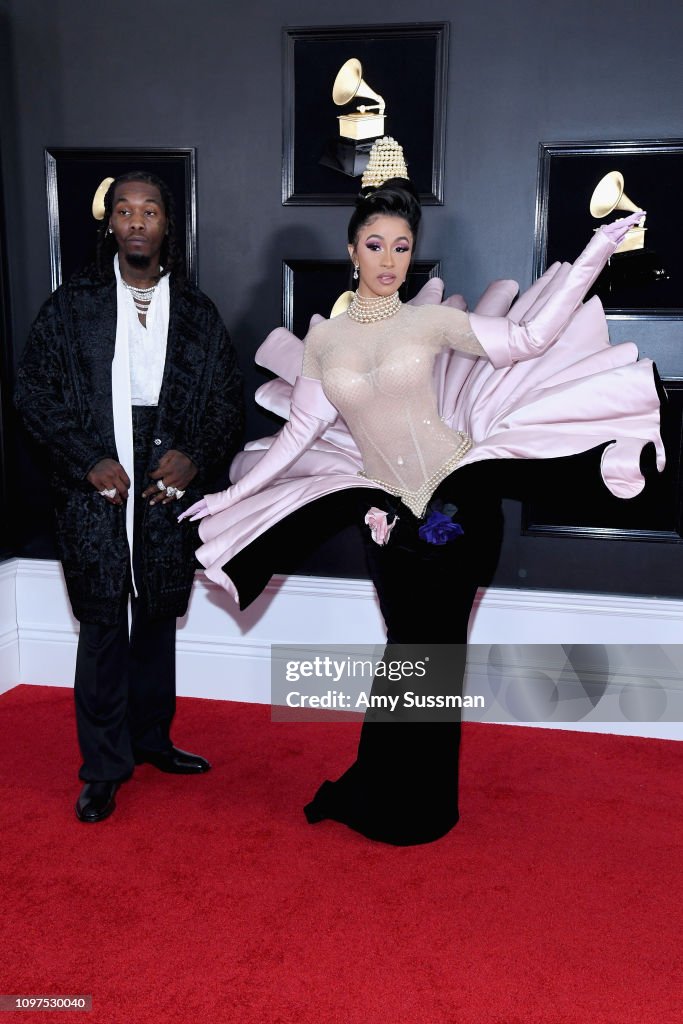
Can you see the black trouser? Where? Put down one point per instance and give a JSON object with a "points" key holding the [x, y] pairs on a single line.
{"points": [[125, 692], [125, 683]]}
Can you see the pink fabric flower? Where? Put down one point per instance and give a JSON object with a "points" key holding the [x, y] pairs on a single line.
{"points": [[380, 529]]}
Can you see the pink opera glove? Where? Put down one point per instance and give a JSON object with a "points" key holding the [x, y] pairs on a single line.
{"points": [[618, 229], [506, 342], [380, 529], [310, 414], [196, 511]]}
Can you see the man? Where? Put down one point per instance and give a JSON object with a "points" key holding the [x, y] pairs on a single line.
{"points": [[130, 382]]}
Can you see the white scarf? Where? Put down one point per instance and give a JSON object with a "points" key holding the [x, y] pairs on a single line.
{"points": [[120, 383]]}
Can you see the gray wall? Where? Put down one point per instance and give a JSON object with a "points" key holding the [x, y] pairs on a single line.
{"points": [[206, 74]]}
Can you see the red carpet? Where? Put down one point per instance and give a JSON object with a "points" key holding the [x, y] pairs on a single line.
{"points": [[556, 900]]}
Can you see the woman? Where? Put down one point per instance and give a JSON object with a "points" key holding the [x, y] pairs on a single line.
{"points": [[423, 434]]}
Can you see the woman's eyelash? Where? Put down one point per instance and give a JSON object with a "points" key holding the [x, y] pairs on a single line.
{"points": [[375, 247]]}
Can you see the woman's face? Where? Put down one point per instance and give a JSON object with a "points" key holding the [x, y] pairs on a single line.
{"points": [[382, 252]]}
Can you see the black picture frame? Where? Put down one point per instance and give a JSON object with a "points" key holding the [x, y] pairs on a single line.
{"points": [[72, 177], [312, 286], [8, 539], [575, 502], [406, 64], [643, 284]]}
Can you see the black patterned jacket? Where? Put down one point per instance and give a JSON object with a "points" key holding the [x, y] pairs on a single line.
{"points": [[64, 396]]}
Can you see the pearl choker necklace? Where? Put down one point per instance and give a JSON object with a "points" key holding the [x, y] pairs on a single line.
{"points": [[365, 310]]}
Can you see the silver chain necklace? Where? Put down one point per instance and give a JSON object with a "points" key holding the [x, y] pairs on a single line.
{"points": [[140, 293], [141, 296]]}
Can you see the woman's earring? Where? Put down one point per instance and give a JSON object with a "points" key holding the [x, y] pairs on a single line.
{"points": [[109, 231], [355, 271]]}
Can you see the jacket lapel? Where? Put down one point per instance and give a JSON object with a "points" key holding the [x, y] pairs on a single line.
{"points": [[94, 330], [185, 358]]}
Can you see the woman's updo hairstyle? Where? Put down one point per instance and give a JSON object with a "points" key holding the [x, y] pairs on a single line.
{"points": [[396, 197]]}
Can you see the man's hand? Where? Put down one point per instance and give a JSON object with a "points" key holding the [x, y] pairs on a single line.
{"points": [[175, 471], [109, 475]]}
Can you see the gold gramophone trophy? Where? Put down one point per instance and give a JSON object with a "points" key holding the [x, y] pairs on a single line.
{"points": [[362, 124], [609, 195], [637, 266], [358, 129]]}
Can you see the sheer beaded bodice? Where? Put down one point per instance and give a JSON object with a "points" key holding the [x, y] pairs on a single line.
{"points": [[379, 376]]}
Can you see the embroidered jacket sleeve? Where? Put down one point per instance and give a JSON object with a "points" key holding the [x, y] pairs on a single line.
{"points": [[47, 397]]}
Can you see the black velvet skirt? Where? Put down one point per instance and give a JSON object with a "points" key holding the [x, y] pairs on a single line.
{"points": [[403, 786]]}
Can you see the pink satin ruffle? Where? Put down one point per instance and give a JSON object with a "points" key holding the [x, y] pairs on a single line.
{"points": [[581, 393]]}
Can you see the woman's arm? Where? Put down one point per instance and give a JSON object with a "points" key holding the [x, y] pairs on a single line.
{"points": [[310, 414], [458, 333], [311, 363], [507, 342]]}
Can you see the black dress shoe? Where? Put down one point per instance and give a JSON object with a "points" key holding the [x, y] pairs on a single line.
{"points": [[96, 801], [177, 762]]}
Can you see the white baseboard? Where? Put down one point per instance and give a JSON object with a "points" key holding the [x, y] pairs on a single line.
{"points": [[9, 636], [225, 655]]}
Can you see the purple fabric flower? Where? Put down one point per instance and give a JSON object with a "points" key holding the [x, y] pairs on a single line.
{"points": [[439, 529]]}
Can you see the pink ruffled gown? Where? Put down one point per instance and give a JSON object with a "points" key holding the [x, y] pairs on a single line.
{"points": [[576, 393]]}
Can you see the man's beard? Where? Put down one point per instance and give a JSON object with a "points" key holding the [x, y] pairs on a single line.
{"points": [[138, 260]]}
